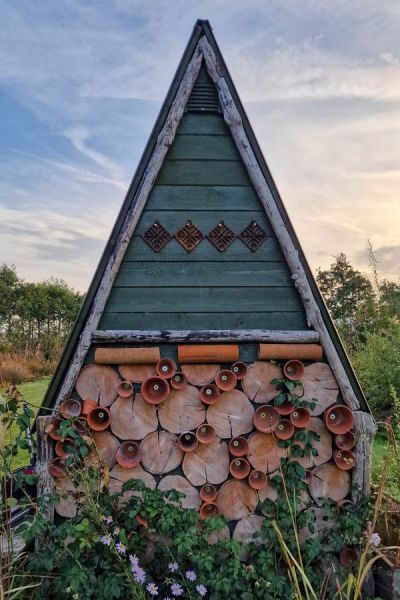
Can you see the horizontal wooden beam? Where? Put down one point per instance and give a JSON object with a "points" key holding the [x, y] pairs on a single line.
{"points": [[133, 336]]}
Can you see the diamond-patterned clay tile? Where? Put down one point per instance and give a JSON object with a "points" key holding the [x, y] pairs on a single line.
{"points": [[189, 236], [156, 237], [253, 236], [221, 236]]}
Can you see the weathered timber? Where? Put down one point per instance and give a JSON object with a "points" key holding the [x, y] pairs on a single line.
{"points": [[257, 383], [231, 415], [365, 429], [99, 383], [319, 382], [106, 448], [67, 505], [178, 483], [236, 499], [133, 418], [160, 452], [182, 410], [137, 373], [45, 483], [200, 374], [323, 445], [264, 453], [329, 482], [209, 463]]}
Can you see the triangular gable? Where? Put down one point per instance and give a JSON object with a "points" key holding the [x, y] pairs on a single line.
{"points": [[201, 50]]}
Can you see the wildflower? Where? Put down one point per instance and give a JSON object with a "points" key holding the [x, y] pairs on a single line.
{"points": [[106, 539], [176, 589], [133, 559], [108, 520], [201, 589], [190, 575], [152, 589], [120, 547], [173, 566], [375, 539], [116, 531], [75, 597], [138, 574]]}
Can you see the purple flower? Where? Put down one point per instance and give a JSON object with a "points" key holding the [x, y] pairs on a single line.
{"points": [[190, 575], [120, 547], [173, 566], [152, 589], [108, 520], [138, 574], [176, 589], [375, 539], [106, 539], [133, 559], [201, 589]]}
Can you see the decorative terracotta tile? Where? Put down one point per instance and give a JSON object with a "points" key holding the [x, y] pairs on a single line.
{"points": [[221, 236], [156, 237], [253, 236], [189, 236]]}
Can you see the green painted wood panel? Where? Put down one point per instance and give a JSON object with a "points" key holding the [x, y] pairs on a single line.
{"points": [[203, 172], [206, 124], [199, 198], [205, 221], [191, 147], [203, 274]]}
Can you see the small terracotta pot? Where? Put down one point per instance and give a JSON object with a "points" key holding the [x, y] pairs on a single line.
{"points": [[344, 459], [257, 480], [178, 381], [206, 433], [240, 370], [188, 441], [209, 509], [225, 380], [293, 370], [155, 390], [300, 417], [88, 405], [238, 446], [70, 408], [209, 394], [99, 418], [345, 441], [52, 433], [57, 468], [344, 502], [81, 426], [128, 455], [143, 522], [285, 430], [266, 419], [208, 493], [348, 557], [339, 419], [239, 468], [166, 368], [64, 449], [284, 409], [125, 389]]}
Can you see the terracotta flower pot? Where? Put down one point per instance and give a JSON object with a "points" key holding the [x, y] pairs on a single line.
{"points": [[155, 390], [125, 389], [285, 430], [70, 408], [344, 459], [209, 509], [208, 493], [293, 370], [257, 480], [300, 417], [225, 380], [206, 433], [209, 394], [88, 405], [178, 381], [57, 468], [240, 370], [284, 409], [128, 455], [99, 419], [308, 477], [81, 426], [339, 419], [239, 468], [142, 521], [52, 433], [166, 368], [345, 441], [266, 419], [238, 446], [64, 449], [188, 441], [348, 557], [343, 503]]}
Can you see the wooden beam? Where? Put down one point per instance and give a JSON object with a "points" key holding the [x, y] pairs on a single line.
{"points": [[225, 335], [365, 430], [45, 485]]}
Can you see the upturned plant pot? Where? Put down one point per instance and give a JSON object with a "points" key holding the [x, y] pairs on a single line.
{"points": [[166, 368], [300, 417], [188, 441], [178, 381], [240, 370], [52, 433], [238, 446], [129, 455], [209, 509], [257, 480], [285, 408], [339, 419], [65, 448], [208, 493], [239, 468], [348, 557], [99, 419], [285, 430], [293, 370], [225, 380], [57, 468], [70, 408], [344, 459], [125, 389], [209, 393], [206, 433], [88, 405], [345, 441], [266, 419], [155, 390]]}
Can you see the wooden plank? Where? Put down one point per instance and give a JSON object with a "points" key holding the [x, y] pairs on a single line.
{"points": [[203, 172], [203, 124], [200, 198], [205, 299], [173, 220], [203, 274], [207, 147], [225, 335], [45, 483]]}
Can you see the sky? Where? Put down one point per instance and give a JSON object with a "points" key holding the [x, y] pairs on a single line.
{"points": [[82, 81]]}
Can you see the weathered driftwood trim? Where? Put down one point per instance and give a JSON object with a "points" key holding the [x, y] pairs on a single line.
{"points": [[44, 454], [365, 430], [164, 141], [225, 335], [314, 317]]}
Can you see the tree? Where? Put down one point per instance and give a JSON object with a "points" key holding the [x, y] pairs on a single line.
{"points": [[9, 287]]}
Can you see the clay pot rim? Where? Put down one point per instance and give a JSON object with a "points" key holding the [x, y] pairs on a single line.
{"points": [[242, 441], [340, 428], [155, 379], [208, 437], [243, 462], [215, 393], [98, 426], [73, 402], [128, 463], [122, 392], [226, 387], [303, 421], [202, 493], [193, 436], [178, 385], [297, 362], [202, 509], [263, 479], [240, 364], [343, 464], [168, 362], [268, 409], [286, 423], [344, 446]]}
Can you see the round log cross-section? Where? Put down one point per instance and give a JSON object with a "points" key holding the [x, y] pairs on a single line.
{"points": [[160, 452], [257, 383], [209, 463], [137, 373], [182, 410], [320, 383], [231, 415], [133, 418], [180, 484], [106, 448], [200, 374], [323, 445], [264, 453], [236, 500], [99, 383], [329, 482]]}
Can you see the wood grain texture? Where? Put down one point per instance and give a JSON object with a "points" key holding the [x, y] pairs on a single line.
{"points": [[323, 446], [119, 475], [232, 414], [133, 418], [136, 373], [67, 505], [209, 463], [209, 198], [99, 383], [236, 500], [45, 482], [264, 454], [320, 383], [365, 430], [200, 374], [160, 452], [247, 528], [322, 525], [329, 482], [106, 448], [182, 485], [203, 172], [257, 383], [203, 147], [182, 410], [202, 124]]}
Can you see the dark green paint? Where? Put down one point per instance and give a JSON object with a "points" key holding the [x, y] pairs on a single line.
{"points": [[203, 172], [203, 198], [207, 147]]}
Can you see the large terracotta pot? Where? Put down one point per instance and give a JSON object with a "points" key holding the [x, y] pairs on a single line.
{"points": [[339, 419], [345, 441], [266, 419], [166, 368], [70, 408], [99, 418], [128, 455], [344, 459], [225, 380], [155, 390], [238, 446]]}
